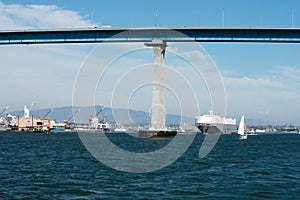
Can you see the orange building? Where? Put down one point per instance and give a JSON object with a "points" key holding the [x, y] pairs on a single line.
{"points": [[33, 124]]}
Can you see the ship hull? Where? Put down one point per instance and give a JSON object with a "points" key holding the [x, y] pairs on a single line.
{"points": [[217, 129]]}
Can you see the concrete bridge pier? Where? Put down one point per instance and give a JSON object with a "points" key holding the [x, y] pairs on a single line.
{"points": [[158, 113]]}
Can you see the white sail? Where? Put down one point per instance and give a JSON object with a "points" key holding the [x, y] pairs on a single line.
{"points": [[242, 129]]}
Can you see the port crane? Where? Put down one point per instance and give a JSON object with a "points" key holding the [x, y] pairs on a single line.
{"points": [[72, 115], [96, 116], [98, 113], [49, 111], [27, 109], [6, 108]]}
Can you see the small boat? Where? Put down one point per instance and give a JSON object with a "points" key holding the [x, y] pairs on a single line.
{"points": [[251, 132], [120, 130], [242, 129], [288, 129]]}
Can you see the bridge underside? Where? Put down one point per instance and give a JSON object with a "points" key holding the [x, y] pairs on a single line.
{"points": [[187, 34]]}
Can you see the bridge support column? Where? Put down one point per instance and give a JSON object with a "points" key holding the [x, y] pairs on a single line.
{"points": [[158, 113], [158, 118]]}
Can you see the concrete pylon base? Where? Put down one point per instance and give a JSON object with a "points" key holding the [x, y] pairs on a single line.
{"points": [[157, 133]]}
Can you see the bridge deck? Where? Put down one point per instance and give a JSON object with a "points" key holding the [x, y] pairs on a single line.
{"points": [[169, 34]]}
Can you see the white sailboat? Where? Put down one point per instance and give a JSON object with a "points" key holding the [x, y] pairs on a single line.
{"points": [[242, 129]]}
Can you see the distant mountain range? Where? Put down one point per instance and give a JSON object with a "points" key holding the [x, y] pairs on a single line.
{"points": [[123, 116]]}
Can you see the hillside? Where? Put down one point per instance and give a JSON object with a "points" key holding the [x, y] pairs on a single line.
{"points": [[122, 116]]}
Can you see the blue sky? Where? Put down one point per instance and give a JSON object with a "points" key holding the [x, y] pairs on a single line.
{"points": [[261, 80], [178, 12]]}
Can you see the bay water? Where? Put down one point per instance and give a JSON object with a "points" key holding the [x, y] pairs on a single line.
{"points": [[58, 166]]}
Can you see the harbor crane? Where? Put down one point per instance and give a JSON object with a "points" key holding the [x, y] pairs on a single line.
{"points": [[49, 111], [27, 109], [6, 108], [72, 115], [93, 121], [98, 113], [95, 118]]}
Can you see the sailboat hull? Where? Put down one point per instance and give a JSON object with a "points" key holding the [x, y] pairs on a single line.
{"points": [[243, 137]]}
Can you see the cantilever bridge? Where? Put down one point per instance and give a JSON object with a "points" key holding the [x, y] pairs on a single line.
{"points": [[148, 34]]}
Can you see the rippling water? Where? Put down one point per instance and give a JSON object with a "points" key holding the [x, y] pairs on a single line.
{"points": [[57, 166]]}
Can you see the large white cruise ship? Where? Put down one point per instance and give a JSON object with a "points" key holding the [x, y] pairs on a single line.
{"points": [[214, 124]]}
